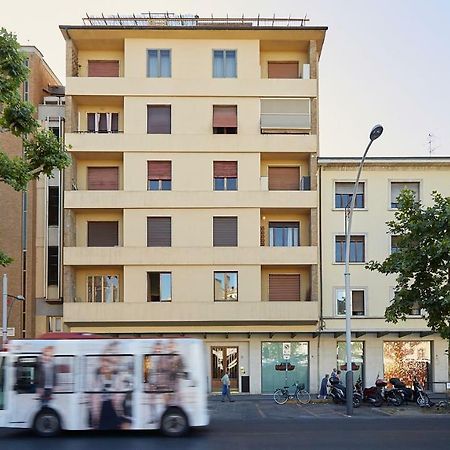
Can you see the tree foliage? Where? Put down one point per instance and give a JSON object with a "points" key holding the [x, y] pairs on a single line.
{"points": [[421, 263], [42, 151]]}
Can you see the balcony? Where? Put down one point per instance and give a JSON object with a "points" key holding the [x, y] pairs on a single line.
{"points": [[152, 256], [186, 313], [172, 199]]}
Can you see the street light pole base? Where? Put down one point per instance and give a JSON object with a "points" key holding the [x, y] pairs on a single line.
{"points": [[349, 391]]}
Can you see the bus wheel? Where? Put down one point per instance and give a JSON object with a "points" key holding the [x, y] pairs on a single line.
{"points": [[174, 423], [47, 423]]}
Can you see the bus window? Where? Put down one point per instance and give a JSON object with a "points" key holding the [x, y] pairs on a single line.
{"points": [[2, 381], [26, 370]]}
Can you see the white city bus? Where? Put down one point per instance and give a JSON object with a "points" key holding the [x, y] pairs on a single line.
{"points": [[86, 382]]}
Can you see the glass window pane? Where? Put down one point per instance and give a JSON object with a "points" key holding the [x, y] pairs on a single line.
{"points": [[231, 288], [98, 289], [165, 63], [219, 184], [230, 64], [166, 185], [219, 286], [153, 185], [166, 287], [231, 184], [358, 303], [218, 64], [340, 302], [357, 360], [153, 63]]}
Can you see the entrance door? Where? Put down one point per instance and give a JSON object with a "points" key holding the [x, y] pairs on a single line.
{"points": [[223, 359]]}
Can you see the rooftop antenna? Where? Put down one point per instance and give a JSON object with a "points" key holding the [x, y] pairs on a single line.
{"points": [[430, 142]]}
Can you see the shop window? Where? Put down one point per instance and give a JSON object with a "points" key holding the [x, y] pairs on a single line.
{"points": [[357, 360]]}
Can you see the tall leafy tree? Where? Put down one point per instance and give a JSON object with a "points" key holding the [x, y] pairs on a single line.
{"points": [[42, 152], [421, 262]]}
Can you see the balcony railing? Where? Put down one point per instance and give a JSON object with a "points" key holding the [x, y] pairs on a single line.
{"points": [[304, 185], [285, 121]]}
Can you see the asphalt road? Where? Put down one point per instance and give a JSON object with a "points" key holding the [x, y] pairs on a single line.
{"points": [[336, 433]]}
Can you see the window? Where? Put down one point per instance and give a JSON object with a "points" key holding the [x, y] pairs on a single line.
{"points": [[343, 192], [398, 187], [103, 178], [225, 119], [284, 178], [357, 249], [26, 84], [103, 234], [159, 175], [102, 122], [358, 304], [55, 131], [158, 119], [283, 69], [287, 115], [52, 265], [159, 63], [284, 287], [53, 205], [224, 64], [225, 286], [103, 289], [159, 287], [103, 68], [225, 175], [394, 244], [284, 234], [225, 232], [415, 308], [54, 324], [159, 232]]}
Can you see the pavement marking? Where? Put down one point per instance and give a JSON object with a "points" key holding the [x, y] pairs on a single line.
{"points": [[260, 411]]}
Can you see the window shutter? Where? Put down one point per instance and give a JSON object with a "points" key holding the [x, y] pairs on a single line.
{"points": [[115, 122], [283, 69], [347, 188], [284, 178], [103, 68], [91, 122], [225, 169], [358, 303], [225, 232], [225, 116], [158, 119], [103, 178], [159, 233], [284, 287], [103, 123], [159, 170], [103, 234]]}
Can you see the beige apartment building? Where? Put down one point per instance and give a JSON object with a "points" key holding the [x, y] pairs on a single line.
{"points": [[191, 207], [405, 349], [25, 218]]}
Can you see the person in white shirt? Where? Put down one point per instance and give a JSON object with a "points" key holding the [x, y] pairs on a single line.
{"points": [[226, 387]]}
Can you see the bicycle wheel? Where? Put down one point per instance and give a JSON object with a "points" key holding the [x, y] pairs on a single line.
{"points": [[281, 396], [303, 396]]}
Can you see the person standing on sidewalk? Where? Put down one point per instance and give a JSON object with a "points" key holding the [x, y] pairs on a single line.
{"points": [[226, 387], [323, 387]]}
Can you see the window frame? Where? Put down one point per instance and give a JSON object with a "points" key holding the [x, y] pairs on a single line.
{"points": [[410, 316], [159, 62], [237, 285], [403, 180], [148, 299], [151, 105], [287, 222], [337, 289], [224, 50], [335, 235], [365, 198], [103, 289]]}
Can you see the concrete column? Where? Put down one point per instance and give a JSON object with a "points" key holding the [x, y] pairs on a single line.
{"points": [[373, 359], [255, 364], [313, 59], [71, 59]]}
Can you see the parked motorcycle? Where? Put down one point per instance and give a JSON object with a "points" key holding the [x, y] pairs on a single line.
{"points": [[416, 394], [369, 395], [377, 394], [338, 393]]}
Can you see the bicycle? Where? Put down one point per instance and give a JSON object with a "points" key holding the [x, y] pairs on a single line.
{"points": [[282, 395]]}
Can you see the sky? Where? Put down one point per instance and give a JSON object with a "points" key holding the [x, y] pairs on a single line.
{"points": [[383, 61]]}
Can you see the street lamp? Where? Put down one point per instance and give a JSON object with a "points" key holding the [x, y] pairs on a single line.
{"points": [[375, 133], [4, 308]]}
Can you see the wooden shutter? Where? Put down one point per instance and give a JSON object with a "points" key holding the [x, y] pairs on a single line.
{"points": [[103, 178], [159, 170], [225, 232], [283, 69], [225, 169], [225, 116], [103, 68], [284, 178], [158, 119], [284, 287], [159, 232], [103, 234]]}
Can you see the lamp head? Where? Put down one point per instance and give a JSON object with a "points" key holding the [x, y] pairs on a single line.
{"points": [[376, 132], [20, 297]]}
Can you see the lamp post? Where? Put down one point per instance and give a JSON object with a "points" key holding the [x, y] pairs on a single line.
{"points": [[375, 133], [5, 308]]}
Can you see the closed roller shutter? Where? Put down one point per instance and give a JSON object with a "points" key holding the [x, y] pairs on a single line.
{"points": [[284, 178], [158, 119], [225, 169], [159, 233], [225, 232], [283, 69], [103, 178], [225, 116], [103, 234], [284, 287], [103, 68], [159, 170]]}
